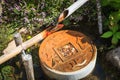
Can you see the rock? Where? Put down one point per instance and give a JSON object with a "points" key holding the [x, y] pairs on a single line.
{"points": [[114, 57]]}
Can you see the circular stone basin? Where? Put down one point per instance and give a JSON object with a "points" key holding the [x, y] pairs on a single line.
{"points": [[67, 53]]}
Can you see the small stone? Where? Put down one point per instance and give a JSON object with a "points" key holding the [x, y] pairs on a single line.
{"points": [[114, 57]]}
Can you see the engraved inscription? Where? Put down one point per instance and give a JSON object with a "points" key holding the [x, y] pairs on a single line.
{"points": [[67, 50]]}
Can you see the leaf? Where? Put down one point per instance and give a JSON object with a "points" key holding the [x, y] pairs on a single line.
{"points": [[117, 1], [7, 70], [115, 5], [116, 16], [29, 37], [118, 35], [114, 40], [114, 29], [16, 11], [104, 2], [107, 34], [111, 47], [1, 77]]}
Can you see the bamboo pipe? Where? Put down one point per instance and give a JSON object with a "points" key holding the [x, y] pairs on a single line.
{"points": [[23, 46], [67, 12]]}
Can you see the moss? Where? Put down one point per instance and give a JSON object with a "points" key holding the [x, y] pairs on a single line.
{"points": [[8, 73]]}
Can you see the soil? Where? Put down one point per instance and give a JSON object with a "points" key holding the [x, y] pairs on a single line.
{"points": [[66, 51]]}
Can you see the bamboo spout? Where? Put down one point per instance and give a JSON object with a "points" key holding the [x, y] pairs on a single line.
{"points": [[67, 12]]}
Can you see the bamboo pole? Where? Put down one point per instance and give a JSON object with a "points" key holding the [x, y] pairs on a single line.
{"points": [[74, 7], [28, 63], [99, 16], [26, 58], [23, 46], [67, 12]]}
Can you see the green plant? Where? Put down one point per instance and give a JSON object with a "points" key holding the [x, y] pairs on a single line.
{"points": [[32, 14], [112, 20], [1, 77], [8, 73], [113, 30], [5, 35]]}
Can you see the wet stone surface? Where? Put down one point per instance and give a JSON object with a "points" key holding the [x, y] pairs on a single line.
{"points": [[66, 51]]}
